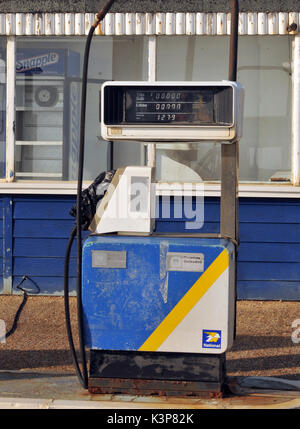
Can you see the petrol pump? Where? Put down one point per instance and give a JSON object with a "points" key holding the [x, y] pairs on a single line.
{"points": [[157, 310]]}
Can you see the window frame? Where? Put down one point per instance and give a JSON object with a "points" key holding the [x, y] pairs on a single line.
{"points": [[260, 189]]}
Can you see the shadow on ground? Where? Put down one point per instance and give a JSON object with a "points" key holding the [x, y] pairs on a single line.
{"points": [[29, 359]]}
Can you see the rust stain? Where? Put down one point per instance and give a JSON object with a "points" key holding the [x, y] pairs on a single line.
{"points": [[158, 388], [256, 400]]}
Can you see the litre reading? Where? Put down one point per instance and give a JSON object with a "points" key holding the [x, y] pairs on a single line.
{"points": [[161, 105]]}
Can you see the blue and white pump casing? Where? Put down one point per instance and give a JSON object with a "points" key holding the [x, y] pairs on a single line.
{"points": [[157, 294]]}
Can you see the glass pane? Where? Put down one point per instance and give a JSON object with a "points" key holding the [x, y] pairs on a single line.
{"points": [[264, 71], [48, 93], [2, 104], [130, 62]]}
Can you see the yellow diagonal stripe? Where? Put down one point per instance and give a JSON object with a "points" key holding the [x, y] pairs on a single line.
{"points": [[189, 300]]}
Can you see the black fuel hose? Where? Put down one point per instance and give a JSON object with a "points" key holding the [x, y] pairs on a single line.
{"points": [[84, 376], [76, 231], [67, 308]]}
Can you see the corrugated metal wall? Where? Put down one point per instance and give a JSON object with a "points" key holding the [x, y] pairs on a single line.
{"points": [[35, 230], [159, 23]]}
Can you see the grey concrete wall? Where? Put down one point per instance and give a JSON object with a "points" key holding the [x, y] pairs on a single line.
{"points": [[13, 6]]}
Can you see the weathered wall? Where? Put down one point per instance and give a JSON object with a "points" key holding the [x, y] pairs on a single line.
{"points": [[14, 6], [34, 232]]}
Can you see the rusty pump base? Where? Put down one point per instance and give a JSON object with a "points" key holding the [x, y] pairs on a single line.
{"points": [[157, 373]]}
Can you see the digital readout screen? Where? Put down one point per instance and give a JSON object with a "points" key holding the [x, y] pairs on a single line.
{"points": [[170, 105]]}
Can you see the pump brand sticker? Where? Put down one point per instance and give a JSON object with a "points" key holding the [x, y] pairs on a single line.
{"points": [[211, 339], [108, 259], [177, 261]]}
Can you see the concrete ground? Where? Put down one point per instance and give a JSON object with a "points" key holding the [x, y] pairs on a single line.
{"points": [[35, 362]]}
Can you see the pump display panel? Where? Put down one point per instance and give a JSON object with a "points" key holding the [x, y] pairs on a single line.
{"points": [[162, 111], [183, 106]]}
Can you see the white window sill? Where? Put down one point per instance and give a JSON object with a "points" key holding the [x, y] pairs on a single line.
{"points": [[254, 190]]}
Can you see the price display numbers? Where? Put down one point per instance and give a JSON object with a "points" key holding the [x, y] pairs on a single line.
{"points": [[169, 106]]}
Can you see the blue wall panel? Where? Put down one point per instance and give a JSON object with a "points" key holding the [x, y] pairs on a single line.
{"points": [[269, 290], [49, 285], [269, 253], [49, 247], [42, 226], [2, 244], [38, 227], [5, 234], [46, 208]]}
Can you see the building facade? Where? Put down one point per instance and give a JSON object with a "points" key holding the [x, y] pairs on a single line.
{"points": [[41, 54]]}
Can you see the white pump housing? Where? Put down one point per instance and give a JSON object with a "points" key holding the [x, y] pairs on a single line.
{"points": [[172, 111]]}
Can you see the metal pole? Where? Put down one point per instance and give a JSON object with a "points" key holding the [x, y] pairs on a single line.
{"points": [[152, 67], [230, 157], [296, 113], [233, 40], [10, 107], [229, 168]]}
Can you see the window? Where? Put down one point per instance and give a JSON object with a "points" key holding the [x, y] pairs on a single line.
{"points": [[2, 104], [47, 105], [48, 92], [264, 71]]}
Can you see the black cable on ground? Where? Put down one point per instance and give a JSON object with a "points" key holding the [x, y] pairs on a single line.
{"points": [[22, 305], [17, 316]]}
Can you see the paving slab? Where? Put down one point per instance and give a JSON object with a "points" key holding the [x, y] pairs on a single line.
{"points": [[32, 390], [36, 369]]}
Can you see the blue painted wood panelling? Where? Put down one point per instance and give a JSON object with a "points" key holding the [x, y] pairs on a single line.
{"points": [[2, 214], [1, 224], [53, 267], [48, 285], [268, 259], [50, 247], [43, 209], [270, 232], [268, 271], [42, 227], [268, 290], [269, 253], [7, 244]]}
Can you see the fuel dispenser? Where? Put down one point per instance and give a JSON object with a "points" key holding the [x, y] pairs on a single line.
{"points": [[157, 311]]}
